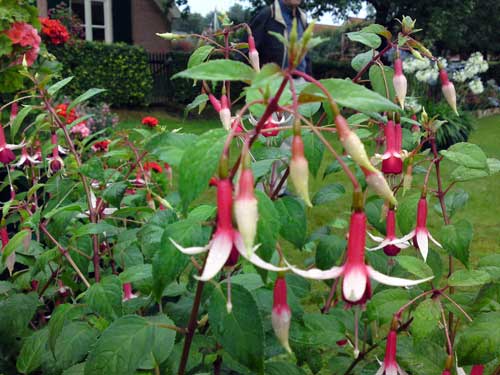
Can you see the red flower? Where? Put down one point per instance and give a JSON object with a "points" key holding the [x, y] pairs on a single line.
{"points": [[390, 366], [25, 35], [151, 165], [281, 314], [101, 146], [392, 163], [62, 110], [55, 31], [150, 121]]}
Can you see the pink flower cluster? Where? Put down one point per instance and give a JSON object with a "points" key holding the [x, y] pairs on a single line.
{"points": [[25, 35]]}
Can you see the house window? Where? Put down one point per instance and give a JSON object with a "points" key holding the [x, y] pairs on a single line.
{"points": [[96, 17]]}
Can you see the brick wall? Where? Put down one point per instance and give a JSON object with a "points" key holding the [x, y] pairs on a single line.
{"points": [[147, 20]]}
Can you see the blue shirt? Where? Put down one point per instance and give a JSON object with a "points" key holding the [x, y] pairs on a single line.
{"points": [[288, 16]]}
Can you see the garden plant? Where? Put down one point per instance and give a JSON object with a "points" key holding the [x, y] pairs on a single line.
{"points": [[146, 251]]}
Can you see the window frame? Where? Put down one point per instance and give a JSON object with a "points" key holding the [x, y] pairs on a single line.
{"points": [[108, 20]]}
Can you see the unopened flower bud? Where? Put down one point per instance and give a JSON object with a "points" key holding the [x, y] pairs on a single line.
{"points": [[215, 102], [299, 169], [172, 36], [448, 90], [245, 209], [253, 54], [225, 113], [127, 292], [352, 144], [281, 314], [399, 81], [378, 183]]}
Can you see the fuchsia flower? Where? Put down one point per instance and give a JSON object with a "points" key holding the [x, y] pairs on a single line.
{"points": [[476, 370], [299, 169], [14, 109], [55, 162], [127, 292], [420, 235], [375, 179], [448, 90], [270, 124], [6, 154], [399, 81], [391, 244], [224, 238], [245, 207], [26, 159], [253, 54], [390, 366], [356, 288], [215, 102], [392, 162], [281, 314], [225, 112]]}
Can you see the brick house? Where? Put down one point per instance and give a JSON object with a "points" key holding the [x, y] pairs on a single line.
{"points": [[129, 21]]}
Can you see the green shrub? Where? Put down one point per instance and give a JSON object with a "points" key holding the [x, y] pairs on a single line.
{"points": [[121, 69]]}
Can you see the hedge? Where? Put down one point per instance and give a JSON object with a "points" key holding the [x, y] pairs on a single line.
{"points": [[121, 69]]}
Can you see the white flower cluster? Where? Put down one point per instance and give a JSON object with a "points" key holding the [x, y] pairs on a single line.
{"points": [[474, 65], [476, 86], [425, 71]]}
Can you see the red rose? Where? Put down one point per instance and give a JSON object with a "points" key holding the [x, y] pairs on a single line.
{"points": [[54, 30], [150, 121]]}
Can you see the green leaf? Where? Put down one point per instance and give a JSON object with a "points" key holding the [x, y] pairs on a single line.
{"points": [[280, 368], [60, 316], [456, 238], [313, 151], [136, 273], [16, 312], [318, 330], [15, 243], [97, 228], [480, 342], [199, 55], [203, 212], [75, 370], [163, 342], [377, 74], [52, 90], [415, 266], [18, 121], [122, 347], [350, 95], [5, 45], [367, 38], [84, 97], [218, 70], [454, 201], [243, 326], [493, 165], [467, 155], [328, 193], [377, 29], [93, 168], [467, 278], [198, 165], [462, 173], [491, 264], [114, 193], [359, 61], [32, 351], [293, 220], [385, 303], [197, 102], [329, 251], [425, 318], [423, 357], [373, 209], [268, 226], [407, 213], [74, 343], [105, 297], [268, 73]]}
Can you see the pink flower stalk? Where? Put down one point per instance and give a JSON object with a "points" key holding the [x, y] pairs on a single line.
{"points": [[245, 208], [448, 90], [299, 169], [26, 159], [420, 235], [375, 179], [253, 54], [225, 113], [127, 292], [399, 81], [224, 238], [392, 163], [390, 366], [55, 162], [352, 144], [391, 244], [281, 314], [356, 288], [6, 154]]}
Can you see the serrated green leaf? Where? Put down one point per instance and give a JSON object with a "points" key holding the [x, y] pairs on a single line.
{"points": [[293, 220], [328, 193], [114, 193], [163, 343], [384, 304], [462, 173], [218, 70], [468, 278], [425, 318], [415, 266], [468, 155], [456, 239], [97, 228], [280, 368], [105, 297], [32, 350], [74, 343], [381, 80], [359, 61], [93, 168], [15, 243], [367, 38], [60, 316], [313, 151], [407, 213], [136, 273], [199, 55], [268, 225], [330, 249], [197, 102]]}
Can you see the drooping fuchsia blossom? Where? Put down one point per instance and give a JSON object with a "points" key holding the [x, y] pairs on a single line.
{"points": [[476, 370], [299, 169], [376, 180], [253, 54], [6, 154], [26, 159], [224, 238], [245, 205], [356, 288], [127, 292], [448, 90], [281, 314], [225, 112], [55, 162], [420, 235], [392, 162], [399, 81], [270, 124], [390, 366], [215, 102], [391, 244], [14, 109]]}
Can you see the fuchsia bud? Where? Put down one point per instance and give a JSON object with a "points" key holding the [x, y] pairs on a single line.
{"points": [[299, 169], [281, 314], [448, 90], [270, 124], [379, 184], [225, 113], [6, 154], [392, 163], [245, 208], [477, 370], [352, 144], [127, 292], [253, 54], [390, 366], [399, 81], [215, 102], [14, 108], [4, 236]]}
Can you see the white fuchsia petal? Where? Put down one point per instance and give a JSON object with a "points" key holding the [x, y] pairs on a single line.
{"points": [[317, 274], [401, 371], [218, 254], [423, 243], [380, 371], [190, 250], [254, 258], [383, 244], [434, 240], [409, 236], [354, 284], [394, 281], [375, 238]]}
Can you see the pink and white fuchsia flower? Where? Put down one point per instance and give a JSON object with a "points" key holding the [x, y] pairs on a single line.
{"points": [[127, 292], [245, 207], [224, 238], [420, 235], [253, 54], [6, 154], [399, 81], [390, 366], [356, 288], [448, 89], [299, 169], [225, 113], [281, 314], [391, 244], [392, 161], [26, 159], [55, 162], [476, 370]]}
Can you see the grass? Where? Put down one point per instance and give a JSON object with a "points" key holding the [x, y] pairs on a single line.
{"points": [[482, 209]]}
